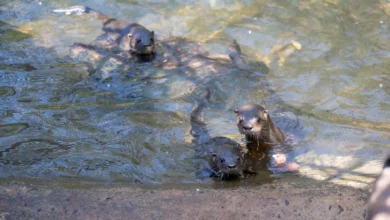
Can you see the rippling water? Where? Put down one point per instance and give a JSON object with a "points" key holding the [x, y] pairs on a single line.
{"points": [[328, 67]]}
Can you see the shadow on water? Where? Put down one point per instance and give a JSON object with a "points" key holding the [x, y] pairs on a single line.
{"points": [[27, 144], [10, 33], [310, 23], [50, 109], [133, 126]]}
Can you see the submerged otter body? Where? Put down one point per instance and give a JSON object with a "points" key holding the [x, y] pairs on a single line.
{"points": [[120, 41], [225, 156]]}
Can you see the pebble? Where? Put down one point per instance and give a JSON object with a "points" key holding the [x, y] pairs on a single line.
{"points": [[341, 209]]}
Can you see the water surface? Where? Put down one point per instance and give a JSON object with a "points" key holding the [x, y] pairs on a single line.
{"points": [[328, 67]]}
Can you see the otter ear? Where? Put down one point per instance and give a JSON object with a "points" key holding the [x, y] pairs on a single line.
{"points": [[236, 111], [265, 114], [151, 35], [130, 35]]}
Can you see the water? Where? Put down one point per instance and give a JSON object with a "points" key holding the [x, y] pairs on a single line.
{"points": [[327, 62]]}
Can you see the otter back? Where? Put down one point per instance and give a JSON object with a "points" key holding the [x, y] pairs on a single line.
{"points": [[119, 35], [225, 156]]}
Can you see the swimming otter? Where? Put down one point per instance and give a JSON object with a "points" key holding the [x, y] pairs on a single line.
{"points": [[226, 158], [378, 206], [261, 133], [255, 122], [120, 36]]}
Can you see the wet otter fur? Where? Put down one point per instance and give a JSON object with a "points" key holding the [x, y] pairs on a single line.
{"points": [[260, 135], [256, 124], [378, 204], [120, 36], [226, 157]]}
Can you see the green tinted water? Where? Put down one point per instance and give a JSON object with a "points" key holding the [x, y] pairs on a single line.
{"points": [[328, 67]]}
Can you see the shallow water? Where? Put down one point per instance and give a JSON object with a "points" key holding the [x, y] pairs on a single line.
{"points": [[328, 69]]}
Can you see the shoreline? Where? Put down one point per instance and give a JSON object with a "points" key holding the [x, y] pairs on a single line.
{"points": [[20, 200]]}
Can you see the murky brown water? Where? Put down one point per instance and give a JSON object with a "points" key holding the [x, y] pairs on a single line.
{"points": [[328, 67]]}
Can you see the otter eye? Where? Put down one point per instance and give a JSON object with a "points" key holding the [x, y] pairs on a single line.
{"points": [[265, 114], [138, 41], [222, 160], [238, 159], [240, 120]]}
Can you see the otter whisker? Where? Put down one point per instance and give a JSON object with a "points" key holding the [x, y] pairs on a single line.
{"points": [[265, 129], [215, 173], [261, 136]]}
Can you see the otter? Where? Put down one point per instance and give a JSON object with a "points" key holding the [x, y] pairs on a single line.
{"points": [[256, 124], [378, 206], [120, 36], [226, 157], [261, 134]]}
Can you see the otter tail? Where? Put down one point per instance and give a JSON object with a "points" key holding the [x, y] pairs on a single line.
{"points": [[197, 111], [236, 56], [198, 127]]}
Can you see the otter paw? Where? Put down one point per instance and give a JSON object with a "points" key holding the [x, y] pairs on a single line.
{"points": [[292, 167], [286, 167]]}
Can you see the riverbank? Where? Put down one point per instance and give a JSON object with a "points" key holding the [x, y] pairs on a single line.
{"points": [[270, 201]]}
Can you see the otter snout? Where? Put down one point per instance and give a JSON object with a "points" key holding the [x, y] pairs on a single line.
{"points": [[247, 128], [149, 49], [143, 49], [142, 41]]}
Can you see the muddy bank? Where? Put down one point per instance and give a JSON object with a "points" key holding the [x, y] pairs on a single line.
{"points": [[270, 201]]}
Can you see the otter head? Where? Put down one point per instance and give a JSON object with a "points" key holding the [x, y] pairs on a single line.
{"points": [[227, 164], [251, 120], [142, 41]]}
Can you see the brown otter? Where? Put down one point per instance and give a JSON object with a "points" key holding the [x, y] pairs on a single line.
{"points": [[261, 133], [255, 122], [120, 36], [227, 157], [378, 205]]}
